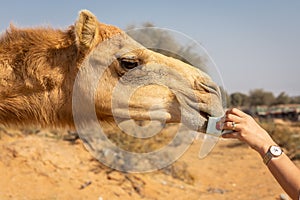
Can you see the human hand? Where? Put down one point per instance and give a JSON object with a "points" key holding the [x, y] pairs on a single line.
{"points": [[246, 129]]}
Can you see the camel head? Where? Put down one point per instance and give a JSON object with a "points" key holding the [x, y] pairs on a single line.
{"points": [[128, 81], [46, 74]]}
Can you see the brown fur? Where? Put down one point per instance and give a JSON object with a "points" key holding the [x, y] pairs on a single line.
{"points": [[38, 68]]}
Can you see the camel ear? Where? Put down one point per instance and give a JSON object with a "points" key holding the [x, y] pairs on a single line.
{"points": [[86, 29]]}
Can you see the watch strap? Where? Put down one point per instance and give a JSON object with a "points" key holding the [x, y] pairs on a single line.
{"points": [[267, 158]]}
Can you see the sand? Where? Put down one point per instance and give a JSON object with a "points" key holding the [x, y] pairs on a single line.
{"points": [[46, 167]]}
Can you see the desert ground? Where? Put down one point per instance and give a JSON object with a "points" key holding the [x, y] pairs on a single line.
{"points": [[43, 165]]}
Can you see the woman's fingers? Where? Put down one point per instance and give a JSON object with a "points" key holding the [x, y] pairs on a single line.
{"points": [[233, 135], [232, 118], [236, 112], [231, 126]]}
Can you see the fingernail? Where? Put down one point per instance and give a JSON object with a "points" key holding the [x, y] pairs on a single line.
{"points": [[219, 125]]}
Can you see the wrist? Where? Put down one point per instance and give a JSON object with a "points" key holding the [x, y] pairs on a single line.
{"points": [[265, 147], [266, 142]]}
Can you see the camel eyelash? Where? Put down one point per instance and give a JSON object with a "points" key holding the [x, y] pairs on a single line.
{"points": [[128, 64]]}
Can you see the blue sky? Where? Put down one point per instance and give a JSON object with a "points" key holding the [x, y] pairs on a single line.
{"points": [[255, 44]]}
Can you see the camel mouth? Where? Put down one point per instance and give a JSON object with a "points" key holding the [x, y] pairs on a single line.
{"points": [[176, 104], [191, 116], [161, 115]]}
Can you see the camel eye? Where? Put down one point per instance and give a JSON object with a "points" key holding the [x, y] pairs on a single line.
{"points": [[128, 63]]}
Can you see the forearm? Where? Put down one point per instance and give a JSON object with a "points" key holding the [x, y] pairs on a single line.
{"points": [[246, 129], [286, 173]]}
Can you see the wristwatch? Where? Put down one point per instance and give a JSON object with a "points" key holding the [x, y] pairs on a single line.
{"points": [[273, 152]]}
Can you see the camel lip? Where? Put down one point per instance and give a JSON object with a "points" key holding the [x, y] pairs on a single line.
{"points": [[155, 115], [205, 114], [205, 117], [122, 115]]}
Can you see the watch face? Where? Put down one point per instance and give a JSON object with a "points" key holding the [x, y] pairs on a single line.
{"points": [[275, 150]]}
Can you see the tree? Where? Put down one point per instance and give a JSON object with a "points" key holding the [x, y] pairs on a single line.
{"points": [[260, 97], [295, 100], [282, 98], [162, 41], [239, 99]]}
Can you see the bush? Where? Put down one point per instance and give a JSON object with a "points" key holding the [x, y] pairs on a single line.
{"points": [[286, 136]]}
